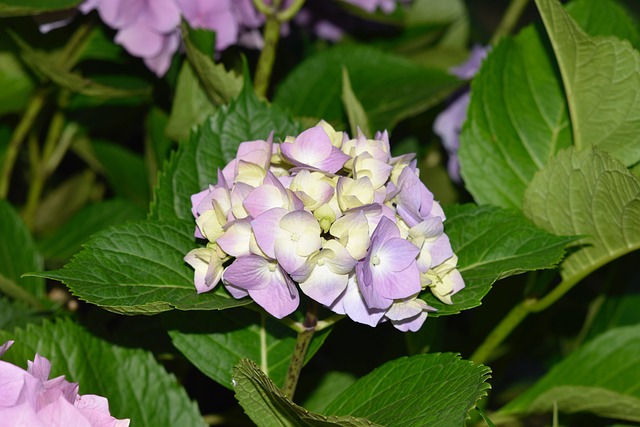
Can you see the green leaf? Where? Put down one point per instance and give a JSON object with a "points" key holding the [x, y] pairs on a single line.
{"points": [[432, 390], [517, 119], [190, 107], [605, 18], [356, 114], [219, 84], [326, 390], [267, 405], [491, 244], [157, 145], [60, 75], [389, 87], [600, 75], [136, 386], [67, 240], [18, 252], [138, 268], [14, 314], [616, 310], [34, 7], [16, 84], [125, 171], [65, 200], [216, 341], [591, 194], [600, 377], [194, 166], [452, 13]]}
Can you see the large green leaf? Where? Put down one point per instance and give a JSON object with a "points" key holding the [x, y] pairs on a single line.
{"points": [[136, 386], [60, 75], [517, 119], [605, 18], [601, 377], [34, 7], [390, 88], [216, 341], [18, 252], [190, 107], [219, 84], [601, 77], [587, 193], [432, 390], [67, 240], [268, 406], [138, 268], [195, 165], [493, 243], [451, 13]]}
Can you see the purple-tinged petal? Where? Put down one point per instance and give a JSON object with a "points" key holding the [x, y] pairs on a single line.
{"points": [[39, 368], [4, 347], [280, 298], [250, 272], [163, 15], [266, 228], [21, 415], [11, 383], [372, 299], [323, 285], [236, 239], [62, 413], [140, 40], [470, 67], [353, 305], [160, 63]]}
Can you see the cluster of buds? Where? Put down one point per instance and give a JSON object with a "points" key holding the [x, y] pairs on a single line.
{"points": [[339, 219]]}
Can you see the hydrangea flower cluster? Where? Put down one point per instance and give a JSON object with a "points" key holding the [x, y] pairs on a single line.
{"points": [[339, 219], [150, 29], [448, 124], [30, 398]]}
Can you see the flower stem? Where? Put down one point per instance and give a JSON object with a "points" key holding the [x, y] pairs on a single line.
{"points": [[509, 20], [275, 18], [267, 56], [500, 332], [300, 351], [520, 312], [19, 134]]}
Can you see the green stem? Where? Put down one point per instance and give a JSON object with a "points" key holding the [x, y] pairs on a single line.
{"points": [[275, 18], [264, 363], [19, 134], [509, 20], [300, 351], [267, 56], [9, 287], [520, 312], [500, 332]]}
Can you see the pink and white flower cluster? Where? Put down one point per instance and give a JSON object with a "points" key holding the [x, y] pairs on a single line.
{"points": [[339, 219], [30, 398]]}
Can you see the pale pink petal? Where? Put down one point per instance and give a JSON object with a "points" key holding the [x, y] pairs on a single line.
{"points": [[63, 414], [250, 272], [280, 298], [163, 15], [140, 40], [237, 238], [23, 415], [266, 228], [324, 286], [160, 63], [11, 383]]}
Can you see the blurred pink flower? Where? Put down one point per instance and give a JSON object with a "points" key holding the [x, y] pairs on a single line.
{"points": [[30, 398]]}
